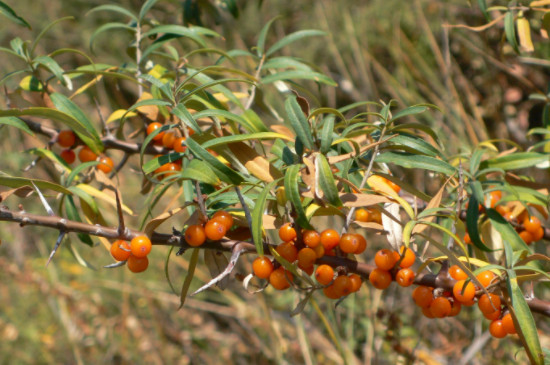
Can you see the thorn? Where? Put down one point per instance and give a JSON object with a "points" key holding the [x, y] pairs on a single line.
{"points": [[237, 250], [121, 227], [115, 264], [57, 244], [43, 200]]}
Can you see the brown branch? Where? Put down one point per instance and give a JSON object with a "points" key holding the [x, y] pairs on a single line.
{"points": [[363, 269]]}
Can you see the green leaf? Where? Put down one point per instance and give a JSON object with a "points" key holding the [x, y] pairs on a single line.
{"points": [[193, 33], [116, 9], [263, 35], [17, 182], [78, 170], [293, 194], [293, 37], [72, 214], [108, 27], [53, 66], [83, 127], [299, 122], [201, 171], [510, 31], [472, 216], [51, 156], [412, 110], [45, 30], [298, 74], [507, 232], [286, 62], [516, 161], [412, 161], [326, 181], [181, 112], [546, 22], [157, 102], [419, 126], [85, 197], [243, 137], [223, 172], [190, 273], [327, 135], [250, 127], [414, 144], [17, 123], [155, 163], [11, 15], [524, 321], [257, 217], [145, 8]]}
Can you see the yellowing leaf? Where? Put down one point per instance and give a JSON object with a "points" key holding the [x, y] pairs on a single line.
{"points": [[256, 165], [379, 184], [157, 221], [117, 114], [524, 34], [103, 196], [150, 111]]}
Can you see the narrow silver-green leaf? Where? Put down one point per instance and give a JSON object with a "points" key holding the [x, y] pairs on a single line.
{"points": [[17, 123], [263, 35], [510, 31], [189, 276], [292, 192], [257, 217], [519, 160], [243, 137], [200, 171], [296, 75], [225, 173], [145, 8], [17, 182], [325, 180], [293, 37], [299, 122], [12, 15], [412, 161], [116, 9]]}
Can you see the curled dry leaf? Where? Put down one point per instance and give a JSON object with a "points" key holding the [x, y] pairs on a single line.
{"points": [[216, 263], [392, 225], [256, 164], [157, 221], [362, 200], [22, 192]]}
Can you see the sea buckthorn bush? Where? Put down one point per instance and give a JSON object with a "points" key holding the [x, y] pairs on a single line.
{"points": [[254, 165]]}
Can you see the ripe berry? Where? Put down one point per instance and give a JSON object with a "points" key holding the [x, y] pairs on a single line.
{"points": [[488, 303], [362, 244], [153, 127], [306, 257], [330, 239], [225, 218], [349, 243], [385, 259], [455, 308], [215, 230], [120, 250], [137, 264], [467, 239], [287, 233], [140, 246], [468, 294], [497, 329], [168, 140], [502, 209], [531, 224], [427, 312], [179, 145], [457, 273], [362, 215], [86, 155], [311, 238], [105, 164], [342, 286], [538, 235], [279, 279], [423, 296], [380, 279], [195, 235], [356, 282], [527, 237], [375, 216], [494, 197], [167, 170], [408, 259], [405, 277], [324, 274], [485, 278], [68, 156], [262, 267], [330, 292], [440, 307], [492, 315], [393, 185], [508, 324], [66, 138]]}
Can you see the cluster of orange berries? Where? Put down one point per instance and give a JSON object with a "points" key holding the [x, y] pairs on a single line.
{"points": [[215, 229], [385, 261], [170, 141], [135, 253], [67, 139]]}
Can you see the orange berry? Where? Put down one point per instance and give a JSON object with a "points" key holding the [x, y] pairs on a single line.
{"points": [[153, 127], [380, 279], [409, 258], [306, 257], [225, 218], [311, 238], [468, 294], [68, 156], [384, 259], [527, 237], [440, 307], [140, 246], [262, 267], [288, 251], [492, 315], [508, 324], [66, 138], [497, 329], [105, 164], [502, 210], [215, 230], [195, 235], [362, 215], [427, 312], [308, 270], [356, 282], [485, 278], [455, 308], [342, 286], [467, 239], [120, 250], [488, 303], [405, 277], [324, 274], [287, 233], [86, 155], [362, 244], [494, 197], [349, 243], [330, 292], [330, 239], [423, 296], [137, 264], [279, 279], [531, 224], [393, 185], [168, 140], [168, 169], [179, 145], [375, 216], [457, 273], [538, 235]]}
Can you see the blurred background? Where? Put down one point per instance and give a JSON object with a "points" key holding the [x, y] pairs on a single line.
{"points": [[376, 50]]}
